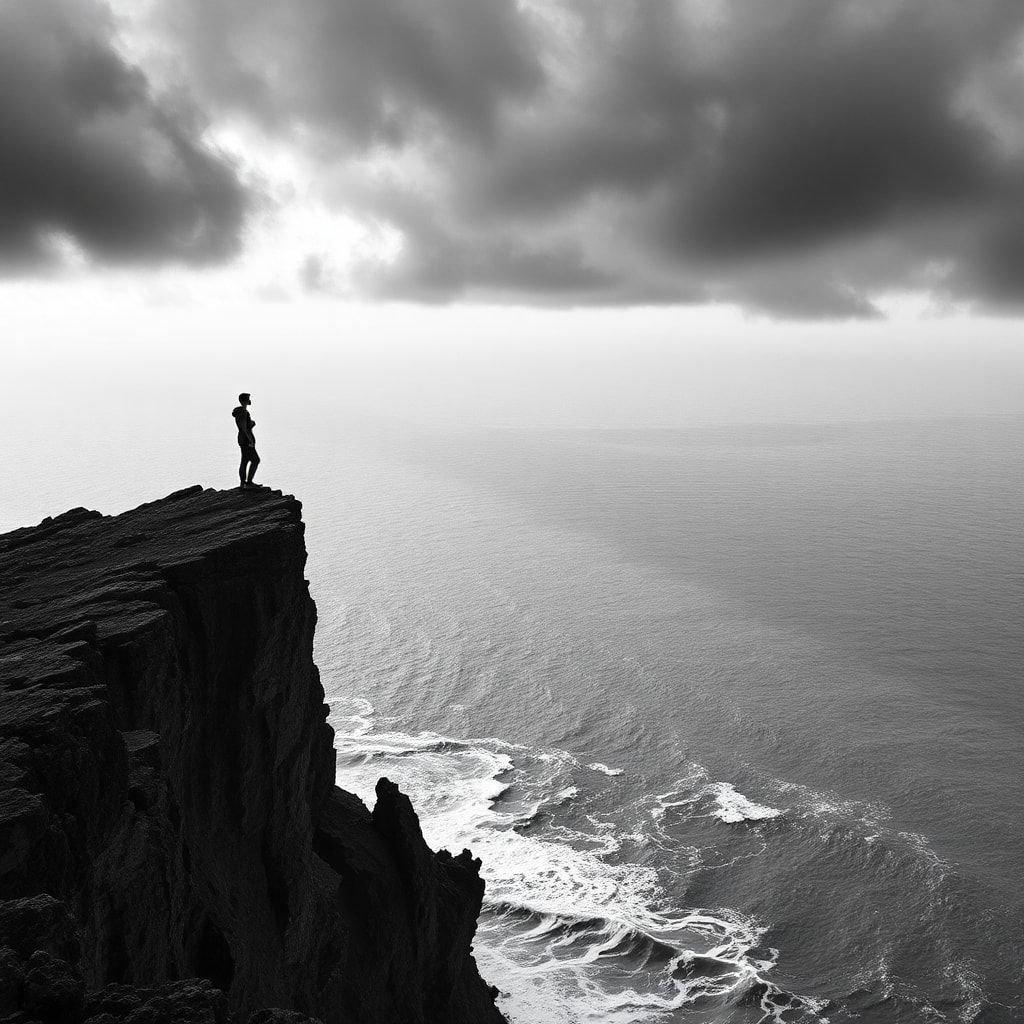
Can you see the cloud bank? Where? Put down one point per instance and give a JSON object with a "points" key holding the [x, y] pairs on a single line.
{"points": [[806, 157], [90, 161]]}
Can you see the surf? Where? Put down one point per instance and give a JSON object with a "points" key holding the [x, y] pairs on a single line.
{"points": [[573, 926]]}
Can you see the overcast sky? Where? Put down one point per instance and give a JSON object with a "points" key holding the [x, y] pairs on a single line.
{"points": [[802, 158]]}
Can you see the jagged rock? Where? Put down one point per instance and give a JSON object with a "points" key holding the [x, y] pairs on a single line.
{"points": [[167, 800], [52, 989], [273, 1016], [192, 1001], [39, 922], [12, 980]]}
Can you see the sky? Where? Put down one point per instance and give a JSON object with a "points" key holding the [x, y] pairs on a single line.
{"points": [[793, 159], [508, 212]]}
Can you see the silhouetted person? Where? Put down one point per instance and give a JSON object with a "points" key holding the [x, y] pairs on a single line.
{"points": [[246, 441]]}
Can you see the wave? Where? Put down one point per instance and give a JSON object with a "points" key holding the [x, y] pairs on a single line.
{"points": [[575, 930], [871, 823], [604, 769], [702, 797], [720, 960], [734, 807]]}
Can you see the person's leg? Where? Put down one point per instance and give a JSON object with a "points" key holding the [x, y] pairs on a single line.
{"points": [[242, 466], [254, 461]]}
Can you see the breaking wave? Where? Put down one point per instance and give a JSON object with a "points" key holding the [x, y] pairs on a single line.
{"points": [[574, 926]]}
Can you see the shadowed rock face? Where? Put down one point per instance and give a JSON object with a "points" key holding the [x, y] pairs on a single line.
{"points": [[172, 844]]}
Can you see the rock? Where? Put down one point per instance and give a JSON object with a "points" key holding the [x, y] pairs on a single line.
{"points": [[282, 1017], [52, 989], [12, 980], [169, 825], [191, 1001], [39, 922]]}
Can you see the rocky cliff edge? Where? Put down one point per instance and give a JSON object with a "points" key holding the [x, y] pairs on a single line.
{"points": [[173, 847]]}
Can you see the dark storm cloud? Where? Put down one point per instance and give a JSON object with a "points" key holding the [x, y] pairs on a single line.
{"points": [[799, 156], [836, 140], [998, 270], [360, 71], [808, 128], [438, 267], [89, 156]]}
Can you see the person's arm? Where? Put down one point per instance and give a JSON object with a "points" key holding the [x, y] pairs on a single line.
{"points": [[249, 424]]}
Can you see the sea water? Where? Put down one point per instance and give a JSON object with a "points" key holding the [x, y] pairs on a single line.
{"points": [[732, 716]]}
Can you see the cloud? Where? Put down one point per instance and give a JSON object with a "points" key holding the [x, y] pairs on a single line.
{"points": [[357, 72], [438, 267], [803, 157], [91, 164]]}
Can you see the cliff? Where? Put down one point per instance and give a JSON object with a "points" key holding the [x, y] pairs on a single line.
{"points": [[172, 844]]}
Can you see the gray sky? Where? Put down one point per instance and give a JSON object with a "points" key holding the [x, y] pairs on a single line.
{"points": [[817, 159]]}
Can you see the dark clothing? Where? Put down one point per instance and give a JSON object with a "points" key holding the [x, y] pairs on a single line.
{"points": [[247, 443], [245, 423], [247, 467]]}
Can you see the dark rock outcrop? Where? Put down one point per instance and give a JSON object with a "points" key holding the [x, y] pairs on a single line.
{"points": [[172, 844]]}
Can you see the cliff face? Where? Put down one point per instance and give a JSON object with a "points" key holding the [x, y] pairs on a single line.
{"points": [[172, 844]]}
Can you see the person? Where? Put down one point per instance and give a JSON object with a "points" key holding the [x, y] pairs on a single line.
{"points": [[246, 441]]}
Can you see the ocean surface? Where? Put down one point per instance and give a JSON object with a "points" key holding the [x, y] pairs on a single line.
{"points": [[732, 714]]}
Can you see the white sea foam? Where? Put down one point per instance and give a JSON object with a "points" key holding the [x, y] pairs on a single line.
{"points": [[872, 821], [604, 769], [964, 972], [734, 807], [353, 718], [571, 932], [684, 793], [826, 803], [710, 799]]}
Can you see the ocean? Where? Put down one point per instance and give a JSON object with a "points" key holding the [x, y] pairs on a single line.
{"points": [[731, 715], [730, 711]]}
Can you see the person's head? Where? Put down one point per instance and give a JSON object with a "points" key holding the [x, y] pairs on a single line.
{"points": [[244, 398]]}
